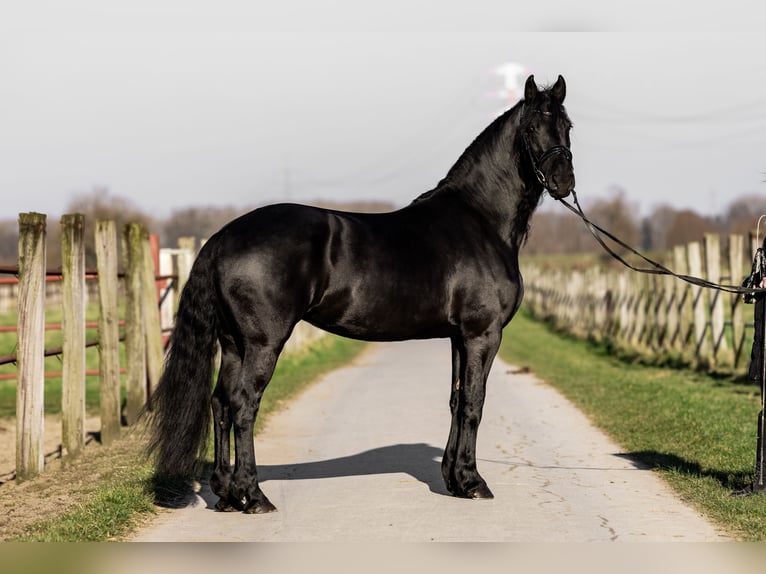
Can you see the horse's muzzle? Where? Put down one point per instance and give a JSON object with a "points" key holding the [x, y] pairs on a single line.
{"points": [[561, 182]]}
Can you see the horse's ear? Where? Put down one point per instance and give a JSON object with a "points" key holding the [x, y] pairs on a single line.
{"points": [[560, 89], [530, 88]]}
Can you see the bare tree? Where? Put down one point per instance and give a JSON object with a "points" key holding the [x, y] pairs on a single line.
{"points": [[657, 225], [688, 225], [562, 232], [556, 233], [742, 214], [199, 222]]}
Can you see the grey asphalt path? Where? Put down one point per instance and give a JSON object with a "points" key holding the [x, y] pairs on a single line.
{"points": [[357, 458]]}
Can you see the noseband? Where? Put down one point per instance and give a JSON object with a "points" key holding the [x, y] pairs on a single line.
{"points": [[537, 163]]}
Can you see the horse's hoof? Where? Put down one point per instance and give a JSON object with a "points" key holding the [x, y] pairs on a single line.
{"points": [[263, 506], [228, 503], [225, 506], [480, 492]]}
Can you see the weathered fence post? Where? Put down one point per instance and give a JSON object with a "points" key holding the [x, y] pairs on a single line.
{"points": [[135, 343], [713, 267], [625, 314], [736, 269], [683, 300], [658, 317], [151, 316], [170, 292], [671, 312], [108, 331], [702, 348], [639, 311], [73, 334], [30, 456], [185, 260]]}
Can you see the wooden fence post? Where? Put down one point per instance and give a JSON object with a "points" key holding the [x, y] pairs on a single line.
{"points": [[30, 456], [151, 316], [671, 312], [702, 347], [73, 334], [657, 319], [683, 301], [185, 260], [638, 310], [713, 266], [135, 344], [736, 271], [623, 335], [108, 331], [170, 292]]}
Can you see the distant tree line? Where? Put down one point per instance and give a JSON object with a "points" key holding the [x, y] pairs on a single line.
{"points": [[200, 222], [555, 230]]}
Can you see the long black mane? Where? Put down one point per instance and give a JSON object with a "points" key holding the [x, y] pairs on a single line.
{"points": [[494, 164]]}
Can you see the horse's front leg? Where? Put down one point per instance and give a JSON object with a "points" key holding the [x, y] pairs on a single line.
{"points": [[480, 351]]}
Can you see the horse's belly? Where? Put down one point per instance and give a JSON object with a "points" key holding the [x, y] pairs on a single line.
{"points": [[373, 316]]}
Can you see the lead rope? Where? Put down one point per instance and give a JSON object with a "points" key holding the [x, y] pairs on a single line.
{"points": [[748, 287]]}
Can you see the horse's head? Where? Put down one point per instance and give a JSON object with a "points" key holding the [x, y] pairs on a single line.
{"points": [[545, 126]]}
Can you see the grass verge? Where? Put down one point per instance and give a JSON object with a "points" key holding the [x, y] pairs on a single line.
{"points": [[107, 495], [697, 431]]}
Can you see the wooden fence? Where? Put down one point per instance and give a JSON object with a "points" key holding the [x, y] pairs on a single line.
{"points": [[142, 334], [145, 321], [655, 315]]}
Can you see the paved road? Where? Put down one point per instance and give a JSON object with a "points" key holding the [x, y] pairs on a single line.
{"points": [[357, 458]]}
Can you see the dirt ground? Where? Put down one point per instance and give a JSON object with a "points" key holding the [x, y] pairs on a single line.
{"points": [[61, 486], [52, 442]]}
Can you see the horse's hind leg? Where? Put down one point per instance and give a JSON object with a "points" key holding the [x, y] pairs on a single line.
{"points": [[220, 482], [245, 399], [448, 462]]}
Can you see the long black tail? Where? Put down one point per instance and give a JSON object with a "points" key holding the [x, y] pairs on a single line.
{"points": [[180, 417]]}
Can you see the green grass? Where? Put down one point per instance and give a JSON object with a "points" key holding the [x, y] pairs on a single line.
{"points": [[52, 396], [699, 432], [109, 510], [124, 495]]}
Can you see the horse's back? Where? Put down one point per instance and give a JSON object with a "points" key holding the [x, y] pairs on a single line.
{"points": [[398, 275]]}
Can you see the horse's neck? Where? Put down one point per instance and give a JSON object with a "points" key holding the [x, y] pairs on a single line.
{"points": [[508, 209], [493, 186], [488, 177]]}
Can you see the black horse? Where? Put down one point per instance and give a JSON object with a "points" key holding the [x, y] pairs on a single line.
{"points": [[445, 266]]}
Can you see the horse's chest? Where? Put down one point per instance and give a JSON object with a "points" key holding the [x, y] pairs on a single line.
{"points": [[496, 298]]}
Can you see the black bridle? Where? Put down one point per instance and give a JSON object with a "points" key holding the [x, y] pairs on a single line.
{"points": [[537, 163]]}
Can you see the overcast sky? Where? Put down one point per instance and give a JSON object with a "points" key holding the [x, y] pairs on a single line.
{"points": [[176, 103]]}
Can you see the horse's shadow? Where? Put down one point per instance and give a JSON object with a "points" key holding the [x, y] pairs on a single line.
{"points": [[421, 461]]}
